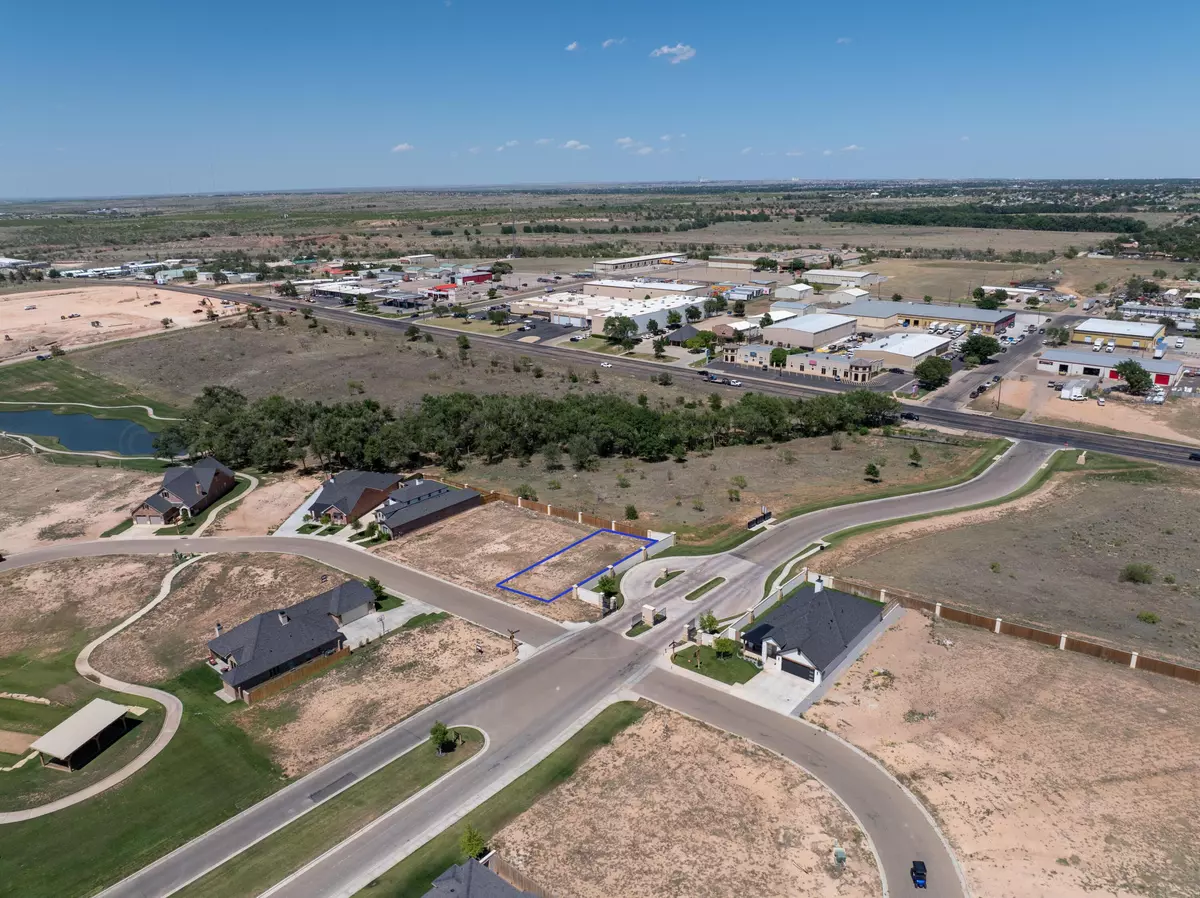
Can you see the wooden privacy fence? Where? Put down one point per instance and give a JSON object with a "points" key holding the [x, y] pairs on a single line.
{"points": [[514, 877], [316, 665], [1062, 641]]}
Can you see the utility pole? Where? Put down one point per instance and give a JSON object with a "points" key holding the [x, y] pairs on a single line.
{"points": [[512, 639]]}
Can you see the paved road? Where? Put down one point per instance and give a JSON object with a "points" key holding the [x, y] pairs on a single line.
{"points": [[528, 709]]}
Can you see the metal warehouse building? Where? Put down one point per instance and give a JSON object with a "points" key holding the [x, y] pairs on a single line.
{"points": [[632, 263], [1128, 334], [882, 314], [839, 278], [1103, 365], [809, 331], [904, 351], [637, 289]]}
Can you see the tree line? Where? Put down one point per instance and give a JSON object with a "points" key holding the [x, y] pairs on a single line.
{"points": [[972, 216], [273, 432]]}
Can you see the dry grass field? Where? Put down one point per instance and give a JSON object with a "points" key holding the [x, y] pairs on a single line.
{"points": [[674, 808], [1052, 773], [576, 564], [268, 506]]}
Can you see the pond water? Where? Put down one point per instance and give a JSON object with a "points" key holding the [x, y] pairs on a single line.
{"points": [[82, 433]]}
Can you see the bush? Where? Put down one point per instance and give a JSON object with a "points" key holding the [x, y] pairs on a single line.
{"points": [[471, 843], [525, 491], [1148, 617], [1137, 572], [439, 736], [553, 485], [631, 513]]}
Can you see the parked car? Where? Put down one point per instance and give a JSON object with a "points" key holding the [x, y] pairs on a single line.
{"points": [[909, 416], [577, 338], [995, 378]]}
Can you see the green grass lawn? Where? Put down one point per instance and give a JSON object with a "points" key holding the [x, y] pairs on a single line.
{"points": [[666, 578], [120, 528], [411, 878], [425, 620], [308, 528], [596, 344], [285, 851], [727, 670], [149, 465], [387, 603], [332, 529], [57, 380], [209, 772], [707, 587], [191, 524]]}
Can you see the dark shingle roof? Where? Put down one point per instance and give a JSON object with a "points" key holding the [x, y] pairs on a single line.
{"points": [[683, 333], [418, 498], [265, 641], [338, 600], [472, 880], [192, 482], [160, 503], [819, 624], [342, 491]]}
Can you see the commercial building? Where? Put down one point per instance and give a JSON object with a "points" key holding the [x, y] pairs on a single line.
{"points": [[587, 310], [1127, 334], [346, 292], [846, 295], [1104, 364], [903, 351], [640, 289], [883, 314], [632, 263], [729, 328], [792, 307], [809, 331], [840, 278], [1132, 310], [794, 293], [834, 366]]}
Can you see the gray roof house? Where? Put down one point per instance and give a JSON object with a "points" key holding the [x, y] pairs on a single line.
{"points": [[811, 631], [420, 502], [344, 603], [472, 880], [185, 491], [349, 495]]}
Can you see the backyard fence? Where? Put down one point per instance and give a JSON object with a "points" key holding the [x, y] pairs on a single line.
{"points": [[316, 665], [514, 877]]}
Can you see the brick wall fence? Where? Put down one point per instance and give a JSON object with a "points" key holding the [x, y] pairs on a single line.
{"points": [[316, 665], [1062, 641]]}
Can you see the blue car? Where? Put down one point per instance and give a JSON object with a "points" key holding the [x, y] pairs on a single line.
{"points": [[918, 874]]}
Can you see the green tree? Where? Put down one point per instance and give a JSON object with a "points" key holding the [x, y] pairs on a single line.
{"points": [[779, 357], [653, 327], [463, 342], [608, 585], [709, 623], [914, 457], [287, 288], [362, 304], [190, 275], [631, 513], [871, 472], [933, 372], [620, 329], [896, 297], [928, 298], [978, 293], [499, 268], [1159, 273], [439, 736], [724, 647], [981, 346], [766, 320], [497, 317], [693, 314], [660, 347], [471, 843], [377, 589], [552, 457], [1137, 379], [1101, 287], [220, 278], [702, 340], [763, 263], [989, 302], [1058, 336], [674, 319], [413, 332], [492, 293], [54, 274], [739, 308], [714, 401]]}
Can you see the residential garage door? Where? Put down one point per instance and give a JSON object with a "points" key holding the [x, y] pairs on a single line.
{"points": [[798, 670], [147, 519]]}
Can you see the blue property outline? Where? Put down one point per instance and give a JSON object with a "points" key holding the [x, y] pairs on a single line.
{"points": [[647, 541]]}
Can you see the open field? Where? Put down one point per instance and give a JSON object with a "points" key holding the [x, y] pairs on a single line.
{"points": [[276, 497], [376, 687], [641, 817], [1052, 773], [693, 498], [297, 361], [45, 502], [1054, 558], [946, 281], [576, 564], [481, 547], [225, 589], [122, 312], [57, 380]]}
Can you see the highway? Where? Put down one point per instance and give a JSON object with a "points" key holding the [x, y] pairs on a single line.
{"points": [[1116, 444], [527, 709]]}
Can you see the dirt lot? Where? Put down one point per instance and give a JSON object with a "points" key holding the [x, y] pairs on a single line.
{"points": [[294, 360], [693, 498], [266, 507], [675, 808], [122, 312], [375, 688], [576, 565], [224, 589], [48, 608], [1054, 559], [44, 502], [481, 547], [12, 743], [1052, 773]]}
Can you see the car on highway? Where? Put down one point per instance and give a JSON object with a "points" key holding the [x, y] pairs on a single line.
{"points": [[606, 364], [576, 338], [735, 383], [909, 416], [1004, 349], [995, 378], [1195, 456], [919, 874]]}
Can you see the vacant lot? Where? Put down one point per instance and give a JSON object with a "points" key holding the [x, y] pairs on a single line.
{"points": [[48, 608], [45, 502], [694, 498], [1052, 773], [675, 808], [294, 360], [225, 589], [481, 547], [1055, 559], [378, 686], [267, 507], [576, 564], [946, 280]]}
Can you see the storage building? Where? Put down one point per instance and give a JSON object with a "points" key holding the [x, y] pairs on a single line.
{"points": [[839, 278], [903, 351], [632, 263], [834, 366], [1166, 373], [794, 293], [846, 295], [639, 289], [809, 331], [1127, 334], [883, 314]]}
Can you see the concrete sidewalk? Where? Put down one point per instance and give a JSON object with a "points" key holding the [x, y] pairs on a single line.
{"points": [[378, 624]]}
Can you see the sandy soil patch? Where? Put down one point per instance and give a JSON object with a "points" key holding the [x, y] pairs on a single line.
{"points": [[15, 743], [122, 312], [225, 589], [1052, 773], [481, 547], [45, 502], [1127, 415], [48, 608], [576, 565], [675, 808], [378, 686], [266, 507]]}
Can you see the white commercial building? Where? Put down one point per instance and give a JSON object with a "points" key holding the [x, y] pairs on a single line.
{"points": [[1139, 310], [809, 331], [840, 278], [846, 295], [585, 309], [903, 351], [632, 263], [794, 292], [1104, 364], [640, 289]]}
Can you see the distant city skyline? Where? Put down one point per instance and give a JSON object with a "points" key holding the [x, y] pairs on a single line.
{"points": [[458, 92]]}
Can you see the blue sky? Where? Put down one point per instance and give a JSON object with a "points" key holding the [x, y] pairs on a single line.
{"points": [[146, 98]]}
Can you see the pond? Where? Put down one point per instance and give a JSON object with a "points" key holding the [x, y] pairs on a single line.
{"points": [[83, 433]]}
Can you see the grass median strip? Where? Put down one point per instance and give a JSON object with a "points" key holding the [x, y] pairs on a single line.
{"points": [[287, 850], [412, 877], [707, 587]]}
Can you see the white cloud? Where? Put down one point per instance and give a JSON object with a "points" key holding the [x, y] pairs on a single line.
{"points": [[844, 40], [511, 143], [625, 142], [746, 150], [794, 153], [679, 53], [574, 45], [665, 137], [644, 151], [613, 42], [853, 148], [575, 145], [403, 148], [542, 141], [475, 149], [827, 152]]}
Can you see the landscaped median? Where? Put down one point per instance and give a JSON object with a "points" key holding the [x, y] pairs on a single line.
{"points": [[287, 850]]}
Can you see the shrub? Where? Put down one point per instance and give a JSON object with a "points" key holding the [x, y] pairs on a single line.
{"points": [[554, 485], [735, 495], [623, 481], [1169, 579], [1148, 617], [525, 491], [631, 513], [995, 567], [471, 843], [739, 481], [1137, 572]]}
